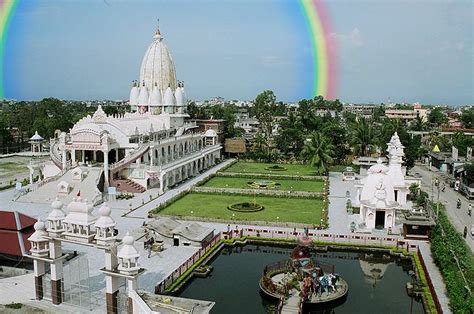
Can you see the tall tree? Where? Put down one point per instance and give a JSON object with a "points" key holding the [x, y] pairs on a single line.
{"points": [[264, 108], [437, 117], [363, 137], [318, 152], [467, 118]]}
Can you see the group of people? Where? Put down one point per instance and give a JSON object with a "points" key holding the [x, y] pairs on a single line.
{"points": [[314, 284]]}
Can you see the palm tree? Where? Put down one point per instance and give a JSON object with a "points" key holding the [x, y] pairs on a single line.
{"points": [[419, 124], [318, 150], [363, 137]]}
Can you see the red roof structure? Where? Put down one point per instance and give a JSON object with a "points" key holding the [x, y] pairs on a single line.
{"points": [[15, 229]]}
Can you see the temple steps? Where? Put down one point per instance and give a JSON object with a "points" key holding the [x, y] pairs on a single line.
{"points": [[128, 185]]}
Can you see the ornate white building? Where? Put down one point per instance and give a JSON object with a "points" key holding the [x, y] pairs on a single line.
{"points": [[384, 189], [154, 146]]}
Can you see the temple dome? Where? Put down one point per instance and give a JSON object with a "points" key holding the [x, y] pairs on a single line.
{"points": [[157, 65]]}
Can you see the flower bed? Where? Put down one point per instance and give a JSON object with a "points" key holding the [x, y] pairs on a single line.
{"points": [[275, 168], [263, 184], [245, 207]]}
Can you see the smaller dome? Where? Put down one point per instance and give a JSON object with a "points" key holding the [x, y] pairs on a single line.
{"points": [[379, 167], [57, 204], [104, 210], [128, 239], [105, 221], [128, 250], [179, 97], [168, 98], [155, 97], [40, 234], [36, 137], [134, 94], [39, 225], [210, 133], [143, 96]]}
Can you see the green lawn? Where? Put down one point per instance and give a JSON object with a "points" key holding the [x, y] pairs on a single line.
{"points": [[215, 206], [286, 185], [256, 167]]}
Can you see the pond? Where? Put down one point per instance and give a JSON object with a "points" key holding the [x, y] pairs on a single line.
{"points": [[376, 281]]}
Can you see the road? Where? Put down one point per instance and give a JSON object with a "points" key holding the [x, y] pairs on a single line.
{"points": [[458, 217]]}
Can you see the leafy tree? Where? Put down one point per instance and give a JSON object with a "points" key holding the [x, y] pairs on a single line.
{"points": [[469, 177], [437, 117], [363, 137], [318, 151], [290, 137], [462, 142], [467, 118], [264, 108], [419, 124]]}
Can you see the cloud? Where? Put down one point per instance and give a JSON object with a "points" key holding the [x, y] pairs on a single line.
{"points": [[353, 39]]}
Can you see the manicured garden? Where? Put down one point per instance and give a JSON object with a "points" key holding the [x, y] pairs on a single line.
{"points": [[276, 209], [285, 185], [256, 167]]}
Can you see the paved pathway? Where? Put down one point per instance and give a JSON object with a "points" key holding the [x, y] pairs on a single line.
{"points": [[458, 217], [435, 275]]}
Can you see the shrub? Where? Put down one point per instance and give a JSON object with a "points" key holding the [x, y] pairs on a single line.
{"points": [[447, 245]]}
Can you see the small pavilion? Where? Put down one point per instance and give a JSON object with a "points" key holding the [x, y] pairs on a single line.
{"points": [[36, 142]]}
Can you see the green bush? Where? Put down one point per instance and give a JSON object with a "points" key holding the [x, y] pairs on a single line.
{"points": [[15, 306], [446, 245]]}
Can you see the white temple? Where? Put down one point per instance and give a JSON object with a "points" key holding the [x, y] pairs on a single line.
{"points": [[383, 190], [152, 147]]}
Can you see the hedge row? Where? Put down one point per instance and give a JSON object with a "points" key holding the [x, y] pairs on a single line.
{"points": [[271, 176], [446, 245]]}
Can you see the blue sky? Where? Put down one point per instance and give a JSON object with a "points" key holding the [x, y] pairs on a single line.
{"points": [[92, 49]]}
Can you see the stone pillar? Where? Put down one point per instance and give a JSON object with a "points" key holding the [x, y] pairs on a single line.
{"points": [[152, 156], [132, 285], [106, 168], [31, 175], [39, 271], [83, 153], [73, 157], [111, 282], [116, 155], [95, 155], [55, 252], [64, 160]]}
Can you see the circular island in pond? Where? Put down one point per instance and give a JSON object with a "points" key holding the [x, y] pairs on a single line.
{"points": [[303, 280], [275, 168], [263, 184], [245, 207]]}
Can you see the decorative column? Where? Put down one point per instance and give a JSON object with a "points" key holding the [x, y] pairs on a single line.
{"points": [[39, 271], [83, 153], [111, 282], [73, 157], [55, 253], [39, 251], [64, 160], [152, 157], [128, 265], [116, 154], [106, 168]]}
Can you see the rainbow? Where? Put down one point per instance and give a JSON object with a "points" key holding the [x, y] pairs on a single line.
{"points": [[323, 48], [6, 9]]}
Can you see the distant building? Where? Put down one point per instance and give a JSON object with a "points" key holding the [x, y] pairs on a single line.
{"points": [[365, 111]]}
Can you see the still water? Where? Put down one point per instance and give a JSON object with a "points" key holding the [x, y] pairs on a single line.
{"points": [[376, 282]]}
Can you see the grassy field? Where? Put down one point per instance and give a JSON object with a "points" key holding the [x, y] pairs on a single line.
{"points": [[285, 185], [256, 167], [297, 210]]}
